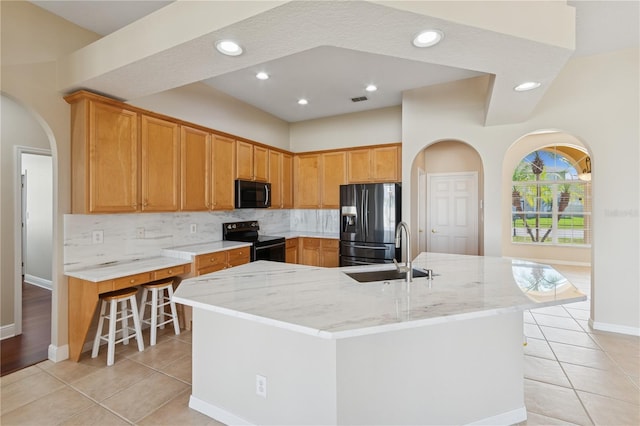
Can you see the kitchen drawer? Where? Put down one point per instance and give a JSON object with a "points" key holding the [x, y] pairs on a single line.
{"points": [[239, 256], [124, 282], [311, 242], [170, 272], [330, 243], [210, 269], [210, 259], [291, 242]]}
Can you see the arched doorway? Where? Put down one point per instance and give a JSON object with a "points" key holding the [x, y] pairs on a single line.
{"points": [[448, 198], [26, 142]]}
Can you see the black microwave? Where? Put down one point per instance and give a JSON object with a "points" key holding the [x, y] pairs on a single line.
{"points": [[252, 195]]}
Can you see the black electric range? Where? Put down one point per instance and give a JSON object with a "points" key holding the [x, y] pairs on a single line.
{"points": [[263, 247]]}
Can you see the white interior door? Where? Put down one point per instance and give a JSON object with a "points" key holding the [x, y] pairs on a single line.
{"points": [[452, 213]]}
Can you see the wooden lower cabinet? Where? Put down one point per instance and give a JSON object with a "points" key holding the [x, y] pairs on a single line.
{"points": [[291, 253], [319, 252], [216, 261]]}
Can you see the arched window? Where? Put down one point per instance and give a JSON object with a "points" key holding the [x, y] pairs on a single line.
{"points": [[551, 197]]}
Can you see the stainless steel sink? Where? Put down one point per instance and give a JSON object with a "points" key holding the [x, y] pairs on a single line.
{"points": [[386, 275]]}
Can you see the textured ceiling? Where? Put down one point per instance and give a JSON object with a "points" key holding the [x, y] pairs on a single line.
{"points": [[328, 52]]}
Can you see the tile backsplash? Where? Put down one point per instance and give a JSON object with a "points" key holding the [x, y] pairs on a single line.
{"points": [[132, 236]]}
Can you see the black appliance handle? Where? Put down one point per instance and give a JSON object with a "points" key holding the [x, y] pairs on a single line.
{"points": [[369, 247], [266, 188], [366, 217], [362, 213], [270, 246]]}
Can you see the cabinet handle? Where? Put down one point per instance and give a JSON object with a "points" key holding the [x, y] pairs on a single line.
{"points": [[170, 271], [132, 280], [145, 203]]}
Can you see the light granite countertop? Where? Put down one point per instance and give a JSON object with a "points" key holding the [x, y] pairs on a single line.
{"points": [[327, 303], [113, 270], [190, 250], [309, 234]]}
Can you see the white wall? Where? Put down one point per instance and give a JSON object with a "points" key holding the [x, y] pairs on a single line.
{"points": [[595, 99], [374, 127], [38, 170], [201, 104]]}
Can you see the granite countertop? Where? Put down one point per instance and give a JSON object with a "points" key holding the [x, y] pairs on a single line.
{"points": [[113, 270], [325, 302], [190, 250]]}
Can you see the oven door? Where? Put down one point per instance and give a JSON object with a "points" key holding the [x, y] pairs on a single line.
{"points": [[274, 252]]}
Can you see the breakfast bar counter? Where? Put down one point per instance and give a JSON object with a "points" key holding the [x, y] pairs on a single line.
{"points": [[277, 343]]}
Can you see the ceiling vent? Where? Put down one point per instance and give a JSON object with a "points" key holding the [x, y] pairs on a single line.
{"points": [[359, 99]]}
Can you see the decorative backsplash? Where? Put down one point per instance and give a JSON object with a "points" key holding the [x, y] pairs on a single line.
{"points": [[134, 236]]}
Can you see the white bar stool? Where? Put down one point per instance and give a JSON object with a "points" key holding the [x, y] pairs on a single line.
{"points": [[157, 304], [123, 296]]}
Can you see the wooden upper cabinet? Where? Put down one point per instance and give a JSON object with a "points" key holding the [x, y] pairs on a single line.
{"points": [[252, 162], [359, 165], [275, 178], [385, 163], [160, 177], [223, 160], [307, 181], [333, 174], [374, 164], [287, 181], [195, 167], [108, 180]]}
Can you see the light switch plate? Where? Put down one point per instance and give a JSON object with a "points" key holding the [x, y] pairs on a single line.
{"points": [[97, 236]]}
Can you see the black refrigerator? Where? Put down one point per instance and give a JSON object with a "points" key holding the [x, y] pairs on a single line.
{"points": [[369, 214]]}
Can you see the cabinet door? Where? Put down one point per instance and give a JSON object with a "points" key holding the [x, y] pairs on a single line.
{"points": [[260, 163], [113, 159], [385, 164], [287, 181], [334, 174], [359, 165], [310, 251], [291, 253], [307, 181], [329, 253], [195, 169], [160, 179], [275, 177], [244, 160], [223, 161], [239, 256]]}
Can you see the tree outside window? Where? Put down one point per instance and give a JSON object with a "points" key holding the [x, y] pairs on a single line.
{"points": [[550, 205]]}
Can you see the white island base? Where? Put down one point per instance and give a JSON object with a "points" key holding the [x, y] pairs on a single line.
{"points": [[457, 372]]}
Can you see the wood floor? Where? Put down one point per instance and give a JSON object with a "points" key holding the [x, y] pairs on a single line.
{"points": [[32, 345]]}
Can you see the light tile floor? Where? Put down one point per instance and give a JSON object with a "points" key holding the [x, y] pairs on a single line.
{"points": [[573, 375]]}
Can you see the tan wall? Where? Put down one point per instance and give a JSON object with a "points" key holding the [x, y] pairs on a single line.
{"points": [[32, 39]]}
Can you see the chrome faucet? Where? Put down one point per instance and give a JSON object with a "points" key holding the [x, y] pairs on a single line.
{"points": [[407, 265]]}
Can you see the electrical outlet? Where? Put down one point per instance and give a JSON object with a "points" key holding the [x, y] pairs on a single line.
{"points": [[97, 237], [261, 386], [193, 228], [139, 232]]}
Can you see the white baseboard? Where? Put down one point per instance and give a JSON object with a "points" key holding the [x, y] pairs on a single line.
{"points": [[58, 353], [7, 331], [216, 413], [614, 328], [509, 418], [37, 281]]}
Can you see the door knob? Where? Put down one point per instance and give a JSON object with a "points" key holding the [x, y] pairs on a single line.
{"points": [[433, 231]]}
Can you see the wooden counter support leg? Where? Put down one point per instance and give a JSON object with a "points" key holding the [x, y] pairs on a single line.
{"points": [[83, 300]]}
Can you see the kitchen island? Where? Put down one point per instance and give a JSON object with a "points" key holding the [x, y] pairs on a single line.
{"points": [[277, 343]]}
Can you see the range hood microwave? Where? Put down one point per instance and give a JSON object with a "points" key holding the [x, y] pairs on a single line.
{"points": [[252, 195]]}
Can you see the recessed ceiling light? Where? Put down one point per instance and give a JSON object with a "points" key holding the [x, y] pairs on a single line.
{"points": [[262, 75], [228, 47], [529, 85], [371, 88], [302, 101], [428, 38]]}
